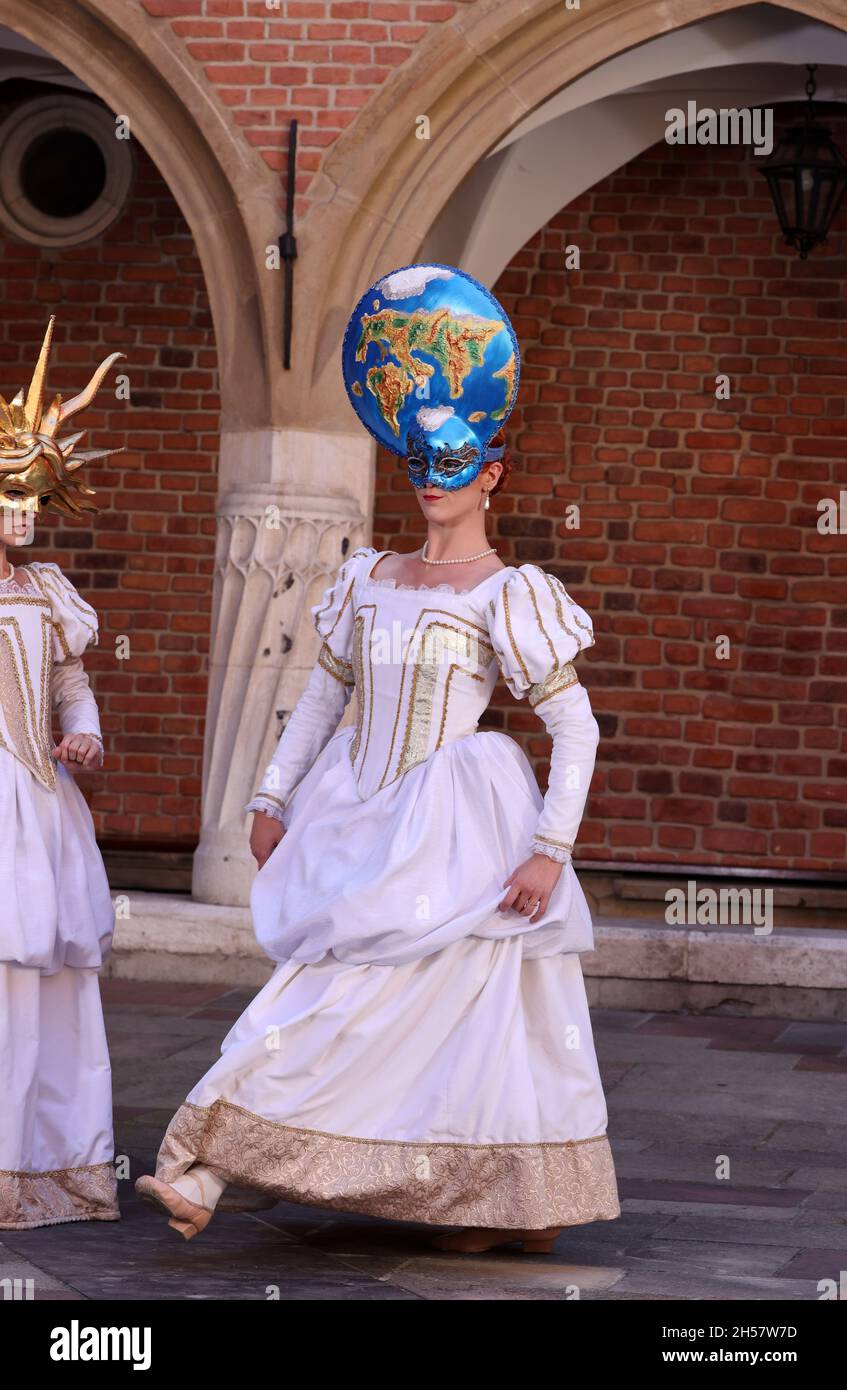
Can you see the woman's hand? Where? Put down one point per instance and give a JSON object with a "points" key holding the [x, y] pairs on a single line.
{"points": [[264, 837], [78, 751], [530, 886]]}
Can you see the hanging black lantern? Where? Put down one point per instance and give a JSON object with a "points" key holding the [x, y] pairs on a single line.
{"points": [[807, 175]]}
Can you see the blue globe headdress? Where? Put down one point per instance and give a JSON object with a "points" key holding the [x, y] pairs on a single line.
{"points": [[431, 365]]}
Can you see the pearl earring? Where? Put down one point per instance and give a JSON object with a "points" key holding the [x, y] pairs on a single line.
{"points": [[486, 504]]}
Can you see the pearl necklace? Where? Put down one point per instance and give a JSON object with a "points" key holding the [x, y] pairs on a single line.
{"points": [[10, 575], [465, 560]]}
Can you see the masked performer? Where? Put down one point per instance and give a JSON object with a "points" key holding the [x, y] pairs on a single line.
{"points": [[423, 1050], [56, 918]]}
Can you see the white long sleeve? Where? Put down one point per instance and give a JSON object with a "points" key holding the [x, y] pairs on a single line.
{"points": [[310, 726], [73, 700], [567, 717]]}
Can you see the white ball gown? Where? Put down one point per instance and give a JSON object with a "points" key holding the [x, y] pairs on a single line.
{"points": [[417, 1054], [56, 920]]}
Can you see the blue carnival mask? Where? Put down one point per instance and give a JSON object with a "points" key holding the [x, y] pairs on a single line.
{"points": [[431, 366]]}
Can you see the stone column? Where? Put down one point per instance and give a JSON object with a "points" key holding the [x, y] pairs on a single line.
{"points": [[277, 549]]}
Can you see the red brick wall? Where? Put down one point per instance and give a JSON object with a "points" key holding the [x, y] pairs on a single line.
{"points": [[316, 61], [146, 561], [698, 517]]}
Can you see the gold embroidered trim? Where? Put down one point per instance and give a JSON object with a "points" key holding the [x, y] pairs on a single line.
{"points": [[50, 578], [508, 616], [560, 844], [266, 796], [454, 667], [340, 577], [557, 585], [89, 1193], [28, 725], [335, 665], [517, 1185], [364, 696], [84, 609], [427, 665], [528, 582], [63, 641], [413, 640], [359, 680], [553, 684], [319, 616]]}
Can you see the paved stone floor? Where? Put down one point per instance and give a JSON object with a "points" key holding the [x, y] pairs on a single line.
{"points": [[683, 1091]]}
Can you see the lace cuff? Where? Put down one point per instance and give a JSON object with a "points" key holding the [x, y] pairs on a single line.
{"points": [[271, 806], [561, 851]]}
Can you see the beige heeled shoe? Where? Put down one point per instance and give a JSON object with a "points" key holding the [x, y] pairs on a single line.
{"points": [[474, 1240], [186, 1217]]}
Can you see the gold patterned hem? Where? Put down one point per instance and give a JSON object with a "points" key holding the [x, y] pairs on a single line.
{"points": [[88, 1193], [528, 1186]]}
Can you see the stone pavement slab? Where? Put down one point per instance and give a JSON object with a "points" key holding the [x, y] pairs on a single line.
{"points": [[819, 1138], [25, 1281], [685, 1093]]}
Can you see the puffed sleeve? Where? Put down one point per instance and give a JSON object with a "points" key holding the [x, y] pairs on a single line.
{"points": [[75, 628], [318, 711], [537, 630], [333, 617], [75, 625]]}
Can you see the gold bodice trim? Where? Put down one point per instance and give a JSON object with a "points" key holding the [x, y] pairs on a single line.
{"points": [[27, 710]]}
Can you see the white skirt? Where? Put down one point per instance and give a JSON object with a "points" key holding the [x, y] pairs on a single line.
{"points": [[415, 867], [461, 1087], [56, 1146], [56, 906]]}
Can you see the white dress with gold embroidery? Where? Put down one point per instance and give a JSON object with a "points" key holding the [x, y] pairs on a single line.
{"points": [[419, 1053], [56, 919]]}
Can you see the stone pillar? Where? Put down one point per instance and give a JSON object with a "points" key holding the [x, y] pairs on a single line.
{"points": [[277, 548]]}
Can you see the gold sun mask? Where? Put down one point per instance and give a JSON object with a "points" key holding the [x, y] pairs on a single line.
{"points": [[38, 469]]}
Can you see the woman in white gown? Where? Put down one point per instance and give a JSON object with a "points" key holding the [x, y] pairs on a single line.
{"points": [[423, 1050], [56, 919]]}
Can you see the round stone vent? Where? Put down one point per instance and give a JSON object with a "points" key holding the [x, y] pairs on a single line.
{"points": [[64, 173]]}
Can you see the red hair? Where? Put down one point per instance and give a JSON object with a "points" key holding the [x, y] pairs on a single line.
{"points": [[495, 443]]}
